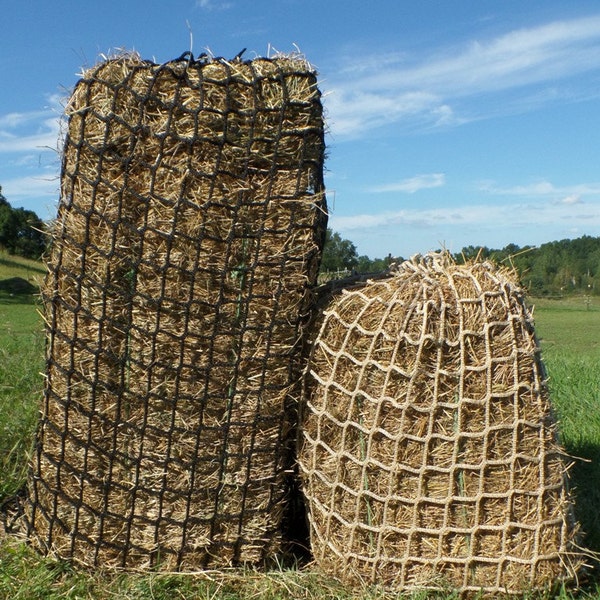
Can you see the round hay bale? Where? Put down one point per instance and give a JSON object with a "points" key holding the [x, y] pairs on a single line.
{"points": [[429, 456], [189, 233]]}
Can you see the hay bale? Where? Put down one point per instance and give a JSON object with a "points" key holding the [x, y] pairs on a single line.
{"points": [[189, 234], [429, 456]]}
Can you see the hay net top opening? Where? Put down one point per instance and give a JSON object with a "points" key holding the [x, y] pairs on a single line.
{"points": [[189, 235], [428, 451]]}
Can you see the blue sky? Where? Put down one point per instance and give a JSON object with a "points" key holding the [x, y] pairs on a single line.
{"points": [[450, 122]]}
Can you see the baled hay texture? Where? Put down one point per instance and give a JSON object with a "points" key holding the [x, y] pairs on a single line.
{"points": [[428, 454], [189, 234]]}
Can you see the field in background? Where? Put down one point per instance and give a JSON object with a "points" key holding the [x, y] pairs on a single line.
{"points": [[21, 364], [569, 331]]}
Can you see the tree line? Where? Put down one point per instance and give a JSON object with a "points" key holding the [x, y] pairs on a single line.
{"points": [[21, 231], [552, 269]]}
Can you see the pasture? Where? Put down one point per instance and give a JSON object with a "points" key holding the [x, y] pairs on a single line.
{"points": [[569, 331]]}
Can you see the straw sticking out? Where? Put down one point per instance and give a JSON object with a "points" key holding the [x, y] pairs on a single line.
{"points": [[189, 234], [428, 452]]}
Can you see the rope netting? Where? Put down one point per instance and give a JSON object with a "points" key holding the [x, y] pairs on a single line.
{"points": [[188, 238], [428, 454]]}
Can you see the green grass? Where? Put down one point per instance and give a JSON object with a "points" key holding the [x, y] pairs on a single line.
{"points": [[17, 266], [21, 364], [24, 575], [571, 350], [570, 337], [568, 325]]}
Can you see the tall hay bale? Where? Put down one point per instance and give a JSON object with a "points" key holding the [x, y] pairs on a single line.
{"points": [[428, 453], [189, 234]]}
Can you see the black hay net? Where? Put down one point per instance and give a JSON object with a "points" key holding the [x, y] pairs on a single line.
{"points": [[187, 243]]}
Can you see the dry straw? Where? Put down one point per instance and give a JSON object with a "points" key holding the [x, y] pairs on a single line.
{"points": [[189, 232], [429, 455]]}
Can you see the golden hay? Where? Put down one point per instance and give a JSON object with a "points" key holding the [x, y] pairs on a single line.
{"points": [[189, 233], [428, 451]]}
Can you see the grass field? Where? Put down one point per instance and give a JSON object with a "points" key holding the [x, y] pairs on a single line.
{"points": [[570, 336], [21, 362], [570, 339]]}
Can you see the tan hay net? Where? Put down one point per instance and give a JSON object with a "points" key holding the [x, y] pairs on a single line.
{"points": [[189, 233], [428, 452]]}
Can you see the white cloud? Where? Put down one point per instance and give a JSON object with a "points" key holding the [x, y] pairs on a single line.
{"points": [[213, 4], [481, 216], [45, 134], [520, 57], [572, 199], [22, 160], [369, 63], [565, 194], [444, 116], [351, 112], [413, 184], [15, 119], [409, 217], [434, 91], [31, 186]]}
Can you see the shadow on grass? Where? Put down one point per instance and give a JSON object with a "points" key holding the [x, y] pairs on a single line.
{"points": [[585, 489], [17, 290], [585, 484]]}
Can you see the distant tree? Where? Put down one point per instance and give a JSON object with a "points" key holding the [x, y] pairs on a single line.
{"points": [[472, 253], [8, 222], [21, 231], [554, 268], [338, 254], [370, 265], [511, 250], [376, 265]]}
